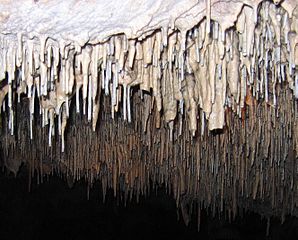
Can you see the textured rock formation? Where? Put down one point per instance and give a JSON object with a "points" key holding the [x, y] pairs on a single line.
{"points": [[198, 95]]}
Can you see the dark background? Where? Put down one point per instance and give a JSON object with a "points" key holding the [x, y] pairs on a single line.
{"points": [[52, 210]]}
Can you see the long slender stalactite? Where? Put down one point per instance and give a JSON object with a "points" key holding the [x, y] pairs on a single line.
{"points": [[205, 103]]}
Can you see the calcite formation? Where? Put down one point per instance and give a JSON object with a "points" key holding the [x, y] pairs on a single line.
{"points": [[198, 95]]}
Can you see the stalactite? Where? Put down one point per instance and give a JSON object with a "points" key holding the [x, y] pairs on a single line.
{"points": [[211, 111]]}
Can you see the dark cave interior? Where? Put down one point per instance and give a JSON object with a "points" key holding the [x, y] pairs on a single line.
{"points": [[53, 210]]}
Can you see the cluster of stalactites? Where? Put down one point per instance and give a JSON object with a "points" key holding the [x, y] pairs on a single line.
{"points": [[203, 68]]}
